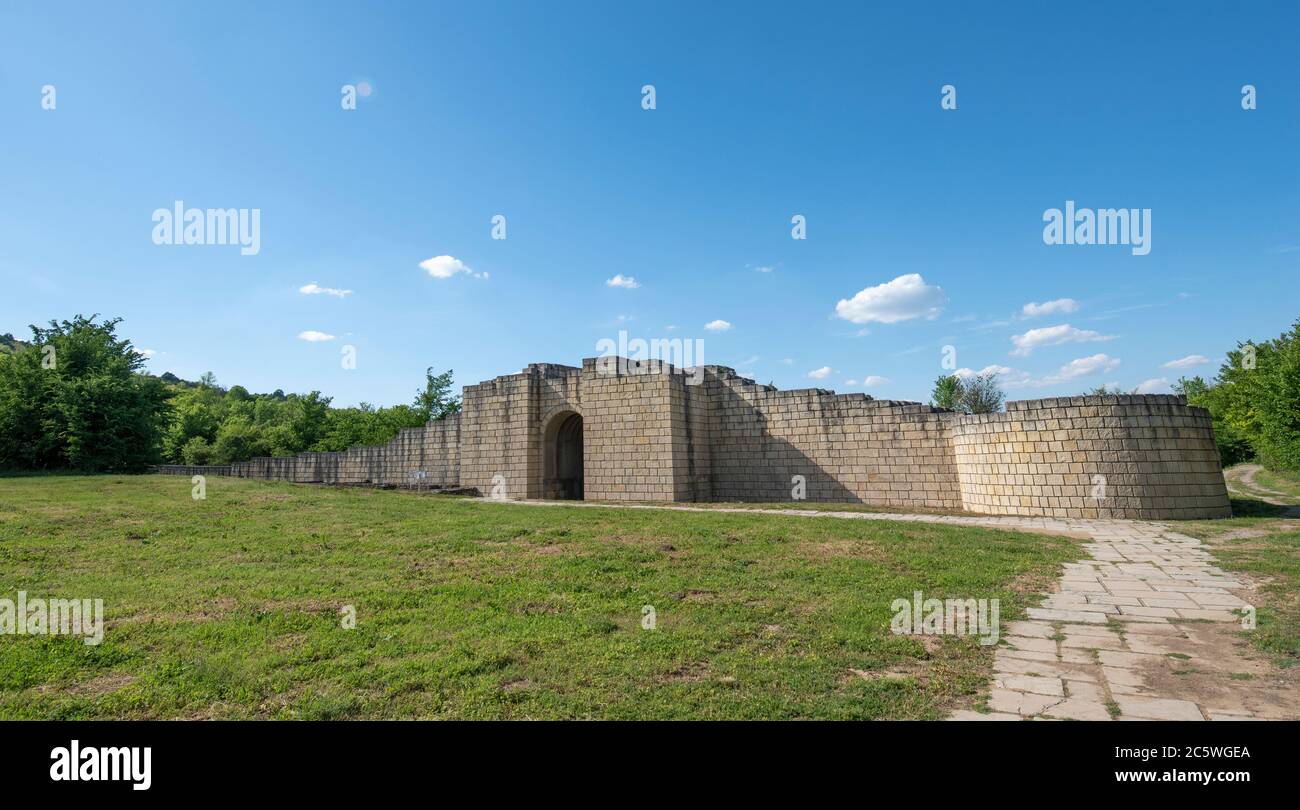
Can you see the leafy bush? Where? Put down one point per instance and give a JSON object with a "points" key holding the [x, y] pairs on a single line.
{"points": [[75, 398], [1255, 402], [977, 394]]}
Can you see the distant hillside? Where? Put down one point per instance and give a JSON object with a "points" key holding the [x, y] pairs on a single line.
{"points": [[10, 344]]}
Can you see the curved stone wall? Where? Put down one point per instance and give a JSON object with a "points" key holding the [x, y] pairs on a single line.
{"points": [[1140, 456]]}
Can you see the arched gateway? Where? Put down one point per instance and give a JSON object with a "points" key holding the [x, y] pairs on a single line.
{"points": [[562, 457]]}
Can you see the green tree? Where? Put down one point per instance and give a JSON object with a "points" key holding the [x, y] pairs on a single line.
{"points": [[436, 400], [981, 394], [1232, 442], [947, 392], [76, 398], [977, 394], [196, 451]]}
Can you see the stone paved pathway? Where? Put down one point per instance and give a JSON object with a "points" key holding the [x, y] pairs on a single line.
{"points": [[1121, 623]]}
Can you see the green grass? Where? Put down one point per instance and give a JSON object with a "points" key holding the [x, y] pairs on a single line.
{"points": [[229, 607], [1258, 540], [1272, 559], [811, 506], [1287, 483]]}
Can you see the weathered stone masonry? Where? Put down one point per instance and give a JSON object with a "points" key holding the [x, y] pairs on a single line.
{"points": [[650, 435]]}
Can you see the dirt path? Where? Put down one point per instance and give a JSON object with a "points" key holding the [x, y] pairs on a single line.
{"points": [[1144, 628], [1243, 475]]}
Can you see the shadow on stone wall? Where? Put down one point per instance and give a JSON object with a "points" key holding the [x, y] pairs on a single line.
{"points": [[751, 463]]}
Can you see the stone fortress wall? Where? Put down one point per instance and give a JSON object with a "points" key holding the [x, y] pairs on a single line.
{"points": [[653, 433]]}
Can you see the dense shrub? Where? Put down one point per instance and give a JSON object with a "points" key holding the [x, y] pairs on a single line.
{"points": [[1255, 402], [75, 398]]}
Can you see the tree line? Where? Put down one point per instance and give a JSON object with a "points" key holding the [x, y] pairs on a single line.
{"points": [[76, 397]]}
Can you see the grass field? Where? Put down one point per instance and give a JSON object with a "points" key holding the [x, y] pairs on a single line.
{"points": [[1273, 560], [230, 607], [1260, 542]]}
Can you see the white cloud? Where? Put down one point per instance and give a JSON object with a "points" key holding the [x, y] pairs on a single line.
{"points": [[1082, 367], [1018, 378], [1188, 361], [820, 373], [788, 360], [448, 266], [1001, 371], [717, 326], [312, 336], [875, 380], [1061, 305], [902, 299], [147, 352], [1053, 336], [1007, 377], [764, 269], [672, 327], [315, 289], [1154, 385], [620, 280]]}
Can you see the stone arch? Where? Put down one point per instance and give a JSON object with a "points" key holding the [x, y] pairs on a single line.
{"points": [[562, 455]]}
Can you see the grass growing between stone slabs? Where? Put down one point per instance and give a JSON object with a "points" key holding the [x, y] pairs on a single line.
{"points": [[229, 607], [1260, 542], [1272, 560]]}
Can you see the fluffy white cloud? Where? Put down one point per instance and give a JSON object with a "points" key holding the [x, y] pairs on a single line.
{"points": [[1018, 378], [448, 266], [1007, 377], [1154, 385], [620, 280], [764, 269], [875, 379], [1060, 305], [902, 299], [147, 352], [312, 336], [717, 326], [1188, 361], [966, 373], [1082, 367], [315, 289], [1053, 336], [820, 373]]}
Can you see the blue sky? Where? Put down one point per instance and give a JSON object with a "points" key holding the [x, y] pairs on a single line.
{"points": [[763, 111]]}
